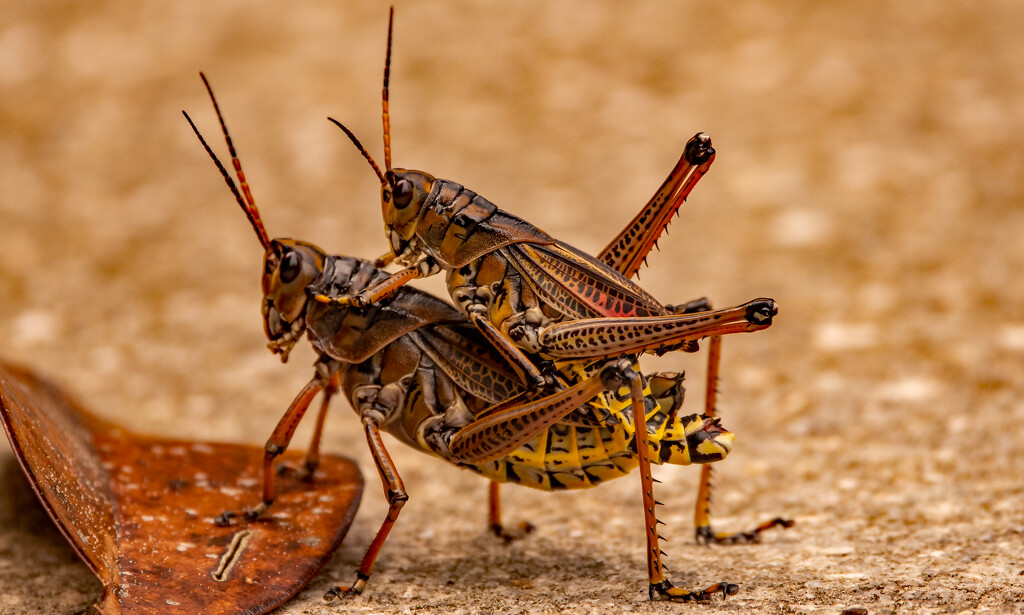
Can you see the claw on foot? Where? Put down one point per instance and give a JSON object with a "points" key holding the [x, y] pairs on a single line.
{"points": [[340, 590], [508, 536], [255, 513], [224, 519], [302, 472], [336, 592], [706, 536], [666, 591]]}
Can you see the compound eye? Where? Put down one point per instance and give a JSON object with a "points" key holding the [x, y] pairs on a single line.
{"points": [[291, 265], [403, 194]]}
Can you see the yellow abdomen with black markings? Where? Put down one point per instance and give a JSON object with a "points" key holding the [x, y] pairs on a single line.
{"points": [[585, 452]]}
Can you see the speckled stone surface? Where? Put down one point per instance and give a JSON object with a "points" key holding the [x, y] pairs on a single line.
{"points": [[869, 178]]}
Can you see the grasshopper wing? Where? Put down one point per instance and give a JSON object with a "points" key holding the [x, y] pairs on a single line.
{"points": [[470, 362], [579, 285]]}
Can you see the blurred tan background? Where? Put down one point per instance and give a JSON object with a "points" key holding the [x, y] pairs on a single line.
{"points": [[869, 178]]}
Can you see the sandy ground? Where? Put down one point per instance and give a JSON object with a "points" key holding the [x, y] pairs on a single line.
{"points": [[869, 178]]}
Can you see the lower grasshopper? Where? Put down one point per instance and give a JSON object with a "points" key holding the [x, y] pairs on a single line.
{"points": [[414, 367]]}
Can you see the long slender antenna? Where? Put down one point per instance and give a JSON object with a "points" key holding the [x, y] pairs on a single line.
{"points": [[248, 204], [384, 94], [362, 150]]}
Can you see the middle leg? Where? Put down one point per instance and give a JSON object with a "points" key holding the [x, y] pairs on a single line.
{"points": [[394, 491], [702, 510], [494, 517]]}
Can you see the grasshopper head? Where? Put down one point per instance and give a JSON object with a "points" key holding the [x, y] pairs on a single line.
{"points": [[402, 199], [289, 267], [403, 193]]}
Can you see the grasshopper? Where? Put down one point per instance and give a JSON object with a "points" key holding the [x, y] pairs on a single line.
{"points": [[528, 292], [536, 298], [413, 366]]}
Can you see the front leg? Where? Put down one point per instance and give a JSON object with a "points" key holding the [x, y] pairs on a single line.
{"points": [[385, 288], [278, 442], [313, 454]]}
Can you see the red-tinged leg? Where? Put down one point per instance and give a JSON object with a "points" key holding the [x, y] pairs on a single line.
{"points": [[702, 511], [313, 454], [312, 462], [386, 287], [494, 517], [595, 338], [394, 491], [629, 249], [276, 444], [660, 588]]}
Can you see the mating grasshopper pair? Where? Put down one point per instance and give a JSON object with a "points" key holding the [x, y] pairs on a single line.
{"points": [[529, 380]]}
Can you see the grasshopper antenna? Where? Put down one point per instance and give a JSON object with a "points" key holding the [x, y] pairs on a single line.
{"points": [[386, 115], [362, 150], [384, 94], [248, 204]]}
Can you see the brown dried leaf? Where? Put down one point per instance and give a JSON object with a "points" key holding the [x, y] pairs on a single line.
{"points": [[140, 510]]}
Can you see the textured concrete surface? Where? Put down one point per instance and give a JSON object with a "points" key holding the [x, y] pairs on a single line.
{"points": [[869, 178]]}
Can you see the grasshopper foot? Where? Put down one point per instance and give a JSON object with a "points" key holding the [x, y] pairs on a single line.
{"points": [[706, 536], [302, 472], [340, 590], [524, 528], [666, 591], [224, 519]]}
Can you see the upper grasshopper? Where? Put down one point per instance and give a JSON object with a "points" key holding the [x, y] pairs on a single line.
{"points": [[414, 367], [536, 298], [528, 292]]}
